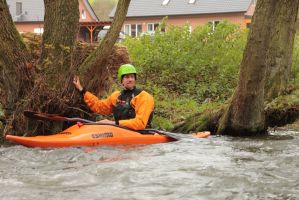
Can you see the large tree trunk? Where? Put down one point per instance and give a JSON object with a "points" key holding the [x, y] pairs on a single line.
{"points": [[49, 93], [59, 39], [279, 57], [94, 67], [15, 79], [245, 114], [53, 90]]}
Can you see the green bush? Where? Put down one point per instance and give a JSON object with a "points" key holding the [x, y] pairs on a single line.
{"points": [[184, 69], [201, 64]]}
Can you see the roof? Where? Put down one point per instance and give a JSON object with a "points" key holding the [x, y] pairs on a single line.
{"points": [[33, 10], [90, 10], [143, 8]]}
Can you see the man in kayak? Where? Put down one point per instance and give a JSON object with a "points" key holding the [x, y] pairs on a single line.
{"points": [[132, 107]]}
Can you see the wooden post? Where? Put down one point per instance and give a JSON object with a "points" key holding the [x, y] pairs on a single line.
{"points": [[91, 29]]}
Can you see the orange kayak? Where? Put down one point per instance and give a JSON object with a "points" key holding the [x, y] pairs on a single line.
{"points": [[92, 135]]}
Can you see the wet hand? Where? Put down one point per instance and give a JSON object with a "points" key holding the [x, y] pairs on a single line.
{"points": [[106, 121]]}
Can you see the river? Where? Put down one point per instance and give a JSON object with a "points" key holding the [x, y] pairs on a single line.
{"points": [[212, 168]]}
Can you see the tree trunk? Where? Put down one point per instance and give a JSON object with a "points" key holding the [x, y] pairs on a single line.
{"points": [[94, 67], [245, 114], [279, 57], [282, 111], [59, 39], [53, 90], [15, 79]]}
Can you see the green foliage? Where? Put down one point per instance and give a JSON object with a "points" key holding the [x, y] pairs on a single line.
{"points": [[172, 108], [201, 64], [189, 73], [182, 69], [295, 66], [284, 102], [160, 122]]}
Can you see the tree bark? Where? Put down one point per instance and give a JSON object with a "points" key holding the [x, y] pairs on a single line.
{"points": [[94, 68], [53, 90], [15, 79], [245, 114], [281, 111], [59, 39], [279, 57]]}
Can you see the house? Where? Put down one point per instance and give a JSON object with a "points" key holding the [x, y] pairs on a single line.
{"points": [[144, 15], [28, 16]]}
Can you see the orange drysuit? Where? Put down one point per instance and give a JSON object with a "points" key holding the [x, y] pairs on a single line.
{"points": [[143, 104]]}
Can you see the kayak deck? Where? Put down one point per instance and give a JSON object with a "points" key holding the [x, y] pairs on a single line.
{"points": [[91, 135], [95, 135]]}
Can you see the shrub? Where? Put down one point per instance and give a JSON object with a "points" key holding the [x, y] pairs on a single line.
{"points": [[201, 64]]}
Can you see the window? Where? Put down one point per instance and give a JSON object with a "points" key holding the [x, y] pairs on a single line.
{"points": [[139, 29], [133, 29], [38, 30], [18, 8], [191, 1], [151, 27], [83, 14], [213, 24], [165, 2], [127, 29]]}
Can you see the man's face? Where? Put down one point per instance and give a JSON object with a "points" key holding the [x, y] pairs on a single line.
{"points": [[129, 81]]}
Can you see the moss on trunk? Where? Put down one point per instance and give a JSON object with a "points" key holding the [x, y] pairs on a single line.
{"points": [[281, 111], [59, 39], [279, 56], [16, 77], [245, 114]]}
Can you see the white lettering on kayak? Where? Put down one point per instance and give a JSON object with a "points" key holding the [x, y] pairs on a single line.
{"points": [[102, 135]]}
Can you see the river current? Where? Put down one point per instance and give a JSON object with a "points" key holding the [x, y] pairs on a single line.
{"points": [[212, 168]]}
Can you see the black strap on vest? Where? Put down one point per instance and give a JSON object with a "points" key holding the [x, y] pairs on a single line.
{"points": [[123, 108]]}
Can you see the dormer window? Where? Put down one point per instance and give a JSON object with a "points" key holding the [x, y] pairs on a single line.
{"points": [[165, 2], [191, 1], [83, 14], [19, 9]]}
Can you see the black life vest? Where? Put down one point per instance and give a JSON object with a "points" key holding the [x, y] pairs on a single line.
{"points": [[123, 108]]}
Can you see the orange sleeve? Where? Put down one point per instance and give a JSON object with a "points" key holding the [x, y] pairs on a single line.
{"points": [[103, 107], [143, 104]]}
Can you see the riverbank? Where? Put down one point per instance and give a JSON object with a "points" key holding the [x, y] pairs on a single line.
{"points": [[188, 73]]}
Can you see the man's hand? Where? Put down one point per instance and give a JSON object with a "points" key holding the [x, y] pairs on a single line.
{"points": [[77, 83], [107, 121]]}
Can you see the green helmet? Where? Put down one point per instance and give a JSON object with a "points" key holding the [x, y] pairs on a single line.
{"points": [[126, 69]]}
